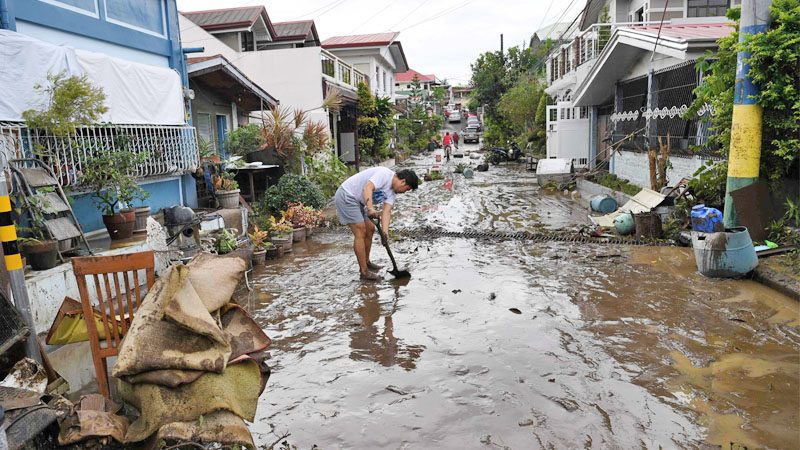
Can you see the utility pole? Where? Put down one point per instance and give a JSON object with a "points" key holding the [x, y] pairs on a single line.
{"points": [[745, 149], [502, 54]]}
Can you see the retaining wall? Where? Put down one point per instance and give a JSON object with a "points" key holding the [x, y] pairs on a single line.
{"points": [[635, 167]]}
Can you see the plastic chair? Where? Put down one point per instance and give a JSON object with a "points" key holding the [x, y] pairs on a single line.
{"points": [[117, 284]]}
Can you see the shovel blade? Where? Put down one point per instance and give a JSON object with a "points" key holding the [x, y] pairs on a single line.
{"points": [[400, 274]]}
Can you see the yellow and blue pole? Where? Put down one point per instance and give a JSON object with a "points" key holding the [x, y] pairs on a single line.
{"points": [[745, 149], [16, 274]]}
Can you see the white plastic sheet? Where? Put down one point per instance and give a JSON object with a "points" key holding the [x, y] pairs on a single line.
{"points": [[135, 93]]}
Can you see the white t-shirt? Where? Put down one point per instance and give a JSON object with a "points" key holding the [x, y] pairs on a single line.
{"points": [[381, 177]]}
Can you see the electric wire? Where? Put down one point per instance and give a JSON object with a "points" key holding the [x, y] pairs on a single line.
{"points": [[410, 13], [439, 14], [373, 16]]}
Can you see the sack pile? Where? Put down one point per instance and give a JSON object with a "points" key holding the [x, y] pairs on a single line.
{"points": [[190, 352]]}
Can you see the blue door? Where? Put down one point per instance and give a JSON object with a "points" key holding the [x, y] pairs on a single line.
{"points": [[222, 132]]}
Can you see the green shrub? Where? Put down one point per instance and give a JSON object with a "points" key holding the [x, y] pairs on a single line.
{"points": [[245, 139], [328, 171], [292, 189]]}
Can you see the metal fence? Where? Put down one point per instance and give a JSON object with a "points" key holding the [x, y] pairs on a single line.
{"points": [[671, 97], [168, 150]]}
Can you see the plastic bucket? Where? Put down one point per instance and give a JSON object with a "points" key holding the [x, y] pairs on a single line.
{"points": [[726, 254], [603, 204]]}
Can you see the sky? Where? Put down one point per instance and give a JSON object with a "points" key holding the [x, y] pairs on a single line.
{"points": [[442, 37]]}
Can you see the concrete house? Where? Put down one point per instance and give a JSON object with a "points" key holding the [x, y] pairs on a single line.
{"points": [[599, 81], [379, 55], [283, 58], [131, 49]]}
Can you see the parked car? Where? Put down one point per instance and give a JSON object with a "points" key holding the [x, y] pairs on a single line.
{"points": [[455, 116], [474, 122], [470, 134]]}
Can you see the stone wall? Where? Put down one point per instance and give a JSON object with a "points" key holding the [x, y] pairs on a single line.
{"points": [[634, 167]]}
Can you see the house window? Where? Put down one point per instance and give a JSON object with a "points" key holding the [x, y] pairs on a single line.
{"points": [[584, 112], [384, 81], [88, 7], [707, 8], [203, 126], [143, 15], [638, 16], [553, 115], [248, 42], [377, 79]]}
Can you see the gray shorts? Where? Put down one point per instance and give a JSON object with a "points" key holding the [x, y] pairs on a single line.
{"points": [[349, 209]]}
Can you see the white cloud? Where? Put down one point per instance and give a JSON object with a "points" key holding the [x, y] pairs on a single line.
{"points": [[445, 46]]}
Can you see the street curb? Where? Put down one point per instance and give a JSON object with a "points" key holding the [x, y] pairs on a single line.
{"points": [[781, 283]]}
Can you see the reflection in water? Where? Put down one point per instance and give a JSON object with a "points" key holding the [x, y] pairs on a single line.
{"points": [[370, 343]]}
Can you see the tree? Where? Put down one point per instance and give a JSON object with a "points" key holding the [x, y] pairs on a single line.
{"points": [[488, 73], [774, 66], [374, 123], [72, 101], [518, 105]]}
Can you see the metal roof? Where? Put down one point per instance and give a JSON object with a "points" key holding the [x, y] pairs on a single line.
{"points": [[405, 77], [298, 28], [361, 40], [225, 18], [688, 31]]}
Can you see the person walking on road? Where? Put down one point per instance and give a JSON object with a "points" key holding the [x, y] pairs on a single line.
{"points": [[455, 139], [447, 145], [356, 200]]}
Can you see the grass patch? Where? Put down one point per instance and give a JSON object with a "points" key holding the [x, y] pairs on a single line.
{"points": [[613, 182]]}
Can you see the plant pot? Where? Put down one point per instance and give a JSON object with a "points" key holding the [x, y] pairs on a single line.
{"points": [[41, 255], [228, 199], [258, 257], [120, 225], [272, 252], [309, 231], [140, 223], [299, 234], [284, 242]]}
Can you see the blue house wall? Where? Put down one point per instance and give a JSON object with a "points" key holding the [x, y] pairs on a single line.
{"points": [[144, 31]]}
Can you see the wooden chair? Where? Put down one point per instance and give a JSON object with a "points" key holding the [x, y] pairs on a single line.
{"points": [[118, 288]]}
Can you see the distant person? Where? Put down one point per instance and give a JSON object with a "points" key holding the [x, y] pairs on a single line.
{"points": [[455, 138], [446, 143], [355, 201]]}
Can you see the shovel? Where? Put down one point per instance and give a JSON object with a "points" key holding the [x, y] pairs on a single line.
{"points": [[399, 274]]}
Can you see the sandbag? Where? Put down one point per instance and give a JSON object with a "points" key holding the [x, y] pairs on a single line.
{"points": [[222, 427], [155, 344], [186, 309], [236, 390], [215, 278], [246, 337]]}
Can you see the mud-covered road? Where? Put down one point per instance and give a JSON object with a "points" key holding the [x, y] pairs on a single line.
{"points": [[520, 345]]}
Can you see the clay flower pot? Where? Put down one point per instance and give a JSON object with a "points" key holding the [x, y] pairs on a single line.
{"points": [[120, 225], [41, 255]]}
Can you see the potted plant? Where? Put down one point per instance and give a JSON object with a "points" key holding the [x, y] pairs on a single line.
{"points": [[281, 234], [298, 216], [39, 251], [226, 190], [107, 176], [260, 240], [226, 242]]}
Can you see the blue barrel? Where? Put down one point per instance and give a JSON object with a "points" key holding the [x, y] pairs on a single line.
{"points": [[603, 204], [727, 254], [706, 219], [624, 223]]}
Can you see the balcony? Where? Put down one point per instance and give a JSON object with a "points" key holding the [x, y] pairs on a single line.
{"points": [[338, 72], [170, 150], [585, 47]]}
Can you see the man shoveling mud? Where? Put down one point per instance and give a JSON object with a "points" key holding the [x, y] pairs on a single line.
{"points": [[356, 199]]}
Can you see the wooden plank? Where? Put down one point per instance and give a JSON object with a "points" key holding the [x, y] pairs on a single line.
{"points": [[62, 228], [54, 204], [38, 177]]}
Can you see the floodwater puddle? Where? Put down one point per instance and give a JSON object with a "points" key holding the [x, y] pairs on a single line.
{"points": [[516, 344]]}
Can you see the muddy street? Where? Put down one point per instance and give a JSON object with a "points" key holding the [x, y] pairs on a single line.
{"points": [[519, 345]]}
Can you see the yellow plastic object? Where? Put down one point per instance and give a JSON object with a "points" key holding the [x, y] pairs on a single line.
{"points": [[69, 326]]}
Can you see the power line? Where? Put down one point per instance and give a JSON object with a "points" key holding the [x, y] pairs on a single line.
{"points": [[440, 14], [314, 11], [373, 16], [409, 14], [544, 17]]}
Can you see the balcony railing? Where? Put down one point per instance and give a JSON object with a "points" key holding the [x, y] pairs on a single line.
{"points": [[339, 72], [586, 46], [169, 150]]}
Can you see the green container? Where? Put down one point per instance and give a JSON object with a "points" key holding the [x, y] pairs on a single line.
{"points": [[624, 223]]}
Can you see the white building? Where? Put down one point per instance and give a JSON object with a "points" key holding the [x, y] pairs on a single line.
{"points": [[378, 55], [286, 59], [599, 80]]}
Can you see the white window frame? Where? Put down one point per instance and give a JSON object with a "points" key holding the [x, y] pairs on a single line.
{"points": [[163, 33], [59, 4]]}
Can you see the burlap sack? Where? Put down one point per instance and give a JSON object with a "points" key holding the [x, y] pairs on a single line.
{"points": [[187, 310], [215, 278], [236, 390], [154, 344], [218, 427]]}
